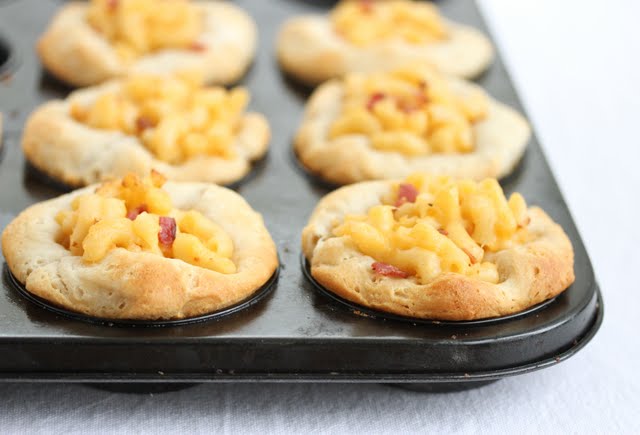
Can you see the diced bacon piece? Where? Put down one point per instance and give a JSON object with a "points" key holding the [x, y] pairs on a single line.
{"points": [[197, 46], [374, 99], [525, 222], [135, 212], [406, 193], [167, 233], [112, 5], [142, 123], [388, 270], [366, 6], [443, 232]]}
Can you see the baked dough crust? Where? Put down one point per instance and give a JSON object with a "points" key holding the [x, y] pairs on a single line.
{"points": [[78, 155], [529, 273], [75, 53], [500, 141], [140, 285], [310, 50]]}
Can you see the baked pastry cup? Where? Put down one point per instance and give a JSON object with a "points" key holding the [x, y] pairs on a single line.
{"points": [[135, 249], [87, 43], [168, 123], [435, 248], [390, 124], [366, 36]]}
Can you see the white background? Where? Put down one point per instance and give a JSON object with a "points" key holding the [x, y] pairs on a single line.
{"points": [[575, 65]]}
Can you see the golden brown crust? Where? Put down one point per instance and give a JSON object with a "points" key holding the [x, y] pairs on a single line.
{"points": [[78, 155], [133, 285], [529, 273], [309, 49], [500, 141], [75, 53]]}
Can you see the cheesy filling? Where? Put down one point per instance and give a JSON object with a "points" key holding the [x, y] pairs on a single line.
{"points": [[428, 226], [137, 214], [176, 118], [412, 111], [136, 27], [365, 22]]}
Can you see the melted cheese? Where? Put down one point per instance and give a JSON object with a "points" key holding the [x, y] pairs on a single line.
{"points": [[136, 27], [365, 22], [448, 229], [412, 111], [175, 117], [128, 214]]}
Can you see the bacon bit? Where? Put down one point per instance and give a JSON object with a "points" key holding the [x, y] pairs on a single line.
{"points": [[197, 46], [471, 257], [526, 222], [366, 6], [374, 99], [406, 193], [422, 98], [112, 5], [142, 123], [135, 212], [443, 232], [167, 233], [388, 270], [6, 78]]}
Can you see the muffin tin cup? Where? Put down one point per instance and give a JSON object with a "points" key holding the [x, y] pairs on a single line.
{"points": [[255, 298]]}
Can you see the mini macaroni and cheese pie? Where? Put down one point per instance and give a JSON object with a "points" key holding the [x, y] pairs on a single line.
{"points": [[369, 35], [174, 124], [437, 248], [390, 124], [137, 248], [90, 42]]}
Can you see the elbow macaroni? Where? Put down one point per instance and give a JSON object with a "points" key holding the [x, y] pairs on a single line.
{"points": [[175, 118], [364, 22], [102, 221], [412, 111], [136, 27], [448, 229]]}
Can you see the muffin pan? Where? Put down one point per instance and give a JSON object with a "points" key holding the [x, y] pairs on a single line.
{"points": [[295, 332]]}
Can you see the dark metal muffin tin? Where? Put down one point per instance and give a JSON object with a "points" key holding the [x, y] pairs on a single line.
{"points": [[295, 333]]}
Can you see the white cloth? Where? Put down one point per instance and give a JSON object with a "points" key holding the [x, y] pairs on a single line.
{"points": [[575, 64]]}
